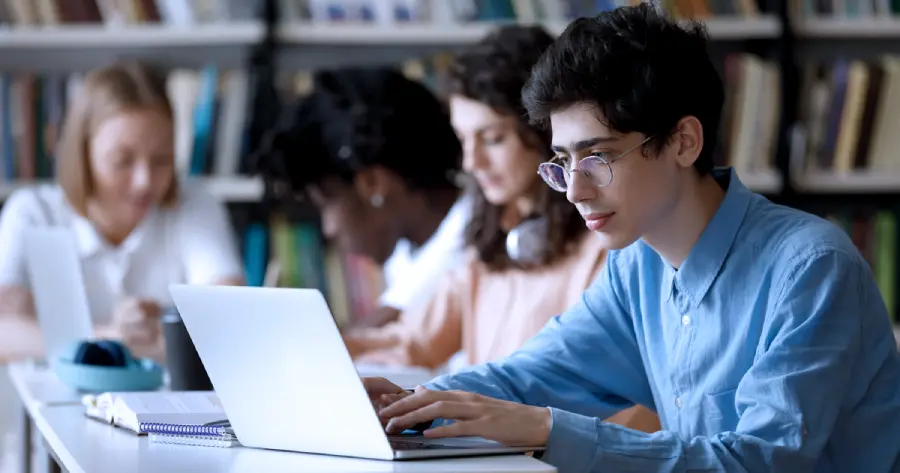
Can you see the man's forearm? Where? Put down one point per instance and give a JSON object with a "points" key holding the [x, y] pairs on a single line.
{"points": [[488, 379]]}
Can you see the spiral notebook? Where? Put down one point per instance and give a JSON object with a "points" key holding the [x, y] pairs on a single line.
{"points": [[225, 440], [213, 434], [212, 429], [198, 412]]}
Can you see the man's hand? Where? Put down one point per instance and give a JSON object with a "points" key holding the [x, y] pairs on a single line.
{"points": [[506, 422], [383, 393], [378, 387]]}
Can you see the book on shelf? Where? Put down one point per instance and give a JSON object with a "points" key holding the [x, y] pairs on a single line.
{"points": [[443, 12], [118, 13], [194, 412], [860, 10], [209, 106], [210, 109], [849, 110], [875, 235], [351, 283], [751, 114]]}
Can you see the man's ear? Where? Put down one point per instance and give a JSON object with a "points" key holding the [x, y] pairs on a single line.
{"points": [[687, 141]]}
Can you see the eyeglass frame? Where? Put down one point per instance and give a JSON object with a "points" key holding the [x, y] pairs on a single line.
{"points": [[604, 161]]}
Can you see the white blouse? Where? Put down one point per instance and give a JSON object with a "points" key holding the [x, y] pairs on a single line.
{"points": [[192, 242], [411, 275]]}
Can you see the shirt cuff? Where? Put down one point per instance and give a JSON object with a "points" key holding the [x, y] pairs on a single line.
{"points": [[572, 445]]}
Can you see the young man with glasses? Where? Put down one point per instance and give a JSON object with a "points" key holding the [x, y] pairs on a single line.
{"points": [[755, 331]]}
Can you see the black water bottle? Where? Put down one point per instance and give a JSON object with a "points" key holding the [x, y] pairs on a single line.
{"points": [[186, 371]]}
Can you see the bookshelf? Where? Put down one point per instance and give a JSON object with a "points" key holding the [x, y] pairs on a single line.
{"points": [[847, 28], [236, 189], [763, 182], [278, 38], [842, 126], [855, 182], [461, 34], [130, 36]]}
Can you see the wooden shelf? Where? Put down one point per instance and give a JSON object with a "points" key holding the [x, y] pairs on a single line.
{"points": [[234, 189], [853, 182], [101, 36], [762, 27], [848, 28], [419, 34], [763, 182], [228, 189]]}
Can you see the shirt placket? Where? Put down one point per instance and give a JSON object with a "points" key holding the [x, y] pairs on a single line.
{"points": [[116, 267], [680, 373]]}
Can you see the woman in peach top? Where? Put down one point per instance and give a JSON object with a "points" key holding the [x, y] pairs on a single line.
{"points": [[494, 302]]}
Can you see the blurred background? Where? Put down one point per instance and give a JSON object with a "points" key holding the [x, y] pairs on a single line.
{"points": [[811, 119], [812, 116]]}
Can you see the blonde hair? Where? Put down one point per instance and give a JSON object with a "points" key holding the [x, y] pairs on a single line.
{"points": [[104, 93]]}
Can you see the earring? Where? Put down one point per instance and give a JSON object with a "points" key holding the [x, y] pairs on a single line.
{"points": [[377, 200]]}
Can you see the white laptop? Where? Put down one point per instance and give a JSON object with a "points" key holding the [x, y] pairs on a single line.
{"points": [[57, 286], [280, 368]]}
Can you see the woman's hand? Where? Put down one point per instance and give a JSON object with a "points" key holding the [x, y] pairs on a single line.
{"points": [[506, 422], [136, 322]]}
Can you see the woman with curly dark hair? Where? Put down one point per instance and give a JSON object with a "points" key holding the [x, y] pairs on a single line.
{"points": [[530, 254], [375, 153]]}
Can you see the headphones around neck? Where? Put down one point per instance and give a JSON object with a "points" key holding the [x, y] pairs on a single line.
{"points": [[527, 241], [106, 365]]}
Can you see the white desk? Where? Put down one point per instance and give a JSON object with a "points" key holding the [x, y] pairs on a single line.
{"points": [[84, 445], [80, 444], [38, 386]]}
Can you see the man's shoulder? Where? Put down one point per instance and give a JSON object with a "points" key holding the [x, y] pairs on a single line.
{"points": [[779, 233]]}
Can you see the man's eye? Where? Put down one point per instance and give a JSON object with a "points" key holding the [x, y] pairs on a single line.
{"points": [[599, 154], [564, 162]]}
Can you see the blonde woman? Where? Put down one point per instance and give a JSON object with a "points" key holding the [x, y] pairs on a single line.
{"points": [[136, 228]]}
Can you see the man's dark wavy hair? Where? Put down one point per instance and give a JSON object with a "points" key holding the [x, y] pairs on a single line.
{"points": [[642, 70], [493, 72]]}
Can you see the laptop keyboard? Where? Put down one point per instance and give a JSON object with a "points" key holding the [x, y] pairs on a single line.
{"points": [[413, 445]]}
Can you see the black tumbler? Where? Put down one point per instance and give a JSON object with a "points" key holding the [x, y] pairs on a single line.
{"points": [[186, 371]]}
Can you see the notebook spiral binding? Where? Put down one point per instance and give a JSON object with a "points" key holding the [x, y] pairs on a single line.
{"points": [[203, 441], [207, 430]]}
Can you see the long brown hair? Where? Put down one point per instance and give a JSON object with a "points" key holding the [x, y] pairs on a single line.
{"points": [[493, 72]]}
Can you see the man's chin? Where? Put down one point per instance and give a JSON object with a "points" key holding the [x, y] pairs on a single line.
{"points": [[613, 241]]}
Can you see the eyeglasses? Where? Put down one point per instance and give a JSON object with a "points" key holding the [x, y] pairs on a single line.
{"points": [[596, 168]]}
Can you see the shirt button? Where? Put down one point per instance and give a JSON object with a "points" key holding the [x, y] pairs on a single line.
{"points": [[678, 402], [686, 320]]}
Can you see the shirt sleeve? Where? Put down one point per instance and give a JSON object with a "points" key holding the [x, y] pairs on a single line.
{"points": [[206, 240], [784, 423], [587, 360], [15, 217], [427, 335]]}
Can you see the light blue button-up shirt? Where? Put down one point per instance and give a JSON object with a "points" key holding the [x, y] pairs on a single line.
{"points": [[769, 350]]}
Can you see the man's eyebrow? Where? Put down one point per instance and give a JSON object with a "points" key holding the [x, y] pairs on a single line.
{"points": [[584, 144]]}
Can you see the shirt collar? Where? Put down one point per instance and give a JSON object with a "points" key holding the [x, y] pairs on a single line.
{"points": [[90, 242], [705, 259]]}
